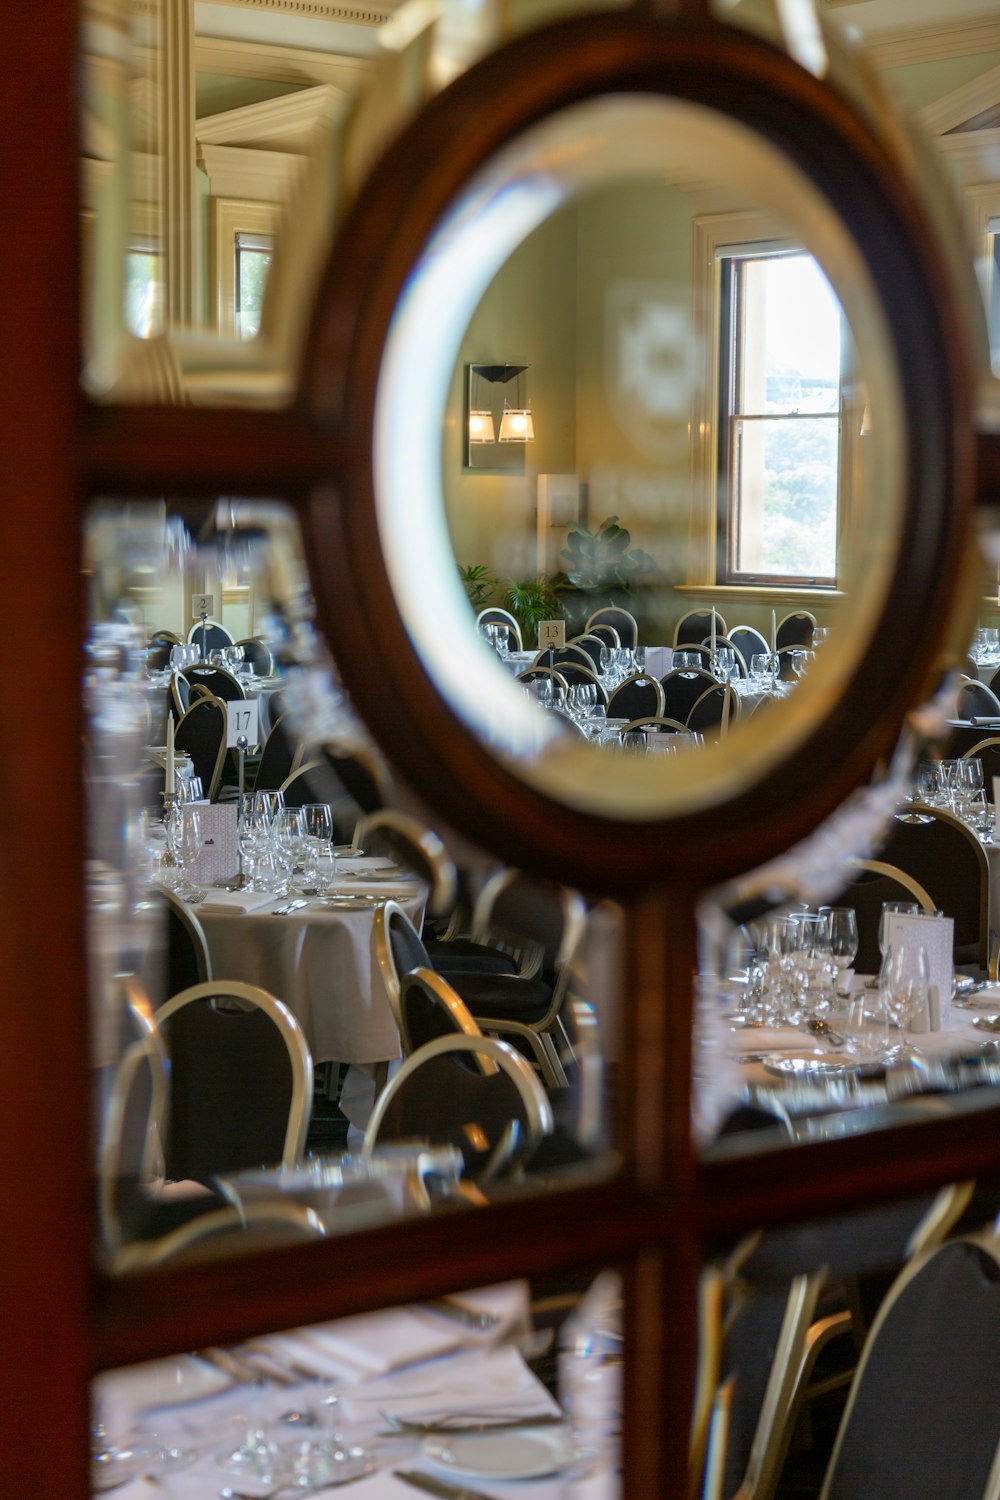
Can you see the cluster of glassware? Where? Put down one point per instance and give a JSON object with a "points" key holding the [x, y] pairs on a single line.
{"points": [[308, 1452], [618, 662], [233, 658], [985, 648], [958, 786], [798, 976], [286, 850], [799, 966]]}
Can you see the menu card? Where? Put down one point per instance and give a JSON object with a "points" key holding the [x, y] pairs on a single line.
{"points": [[912, 931], [219, 857]]}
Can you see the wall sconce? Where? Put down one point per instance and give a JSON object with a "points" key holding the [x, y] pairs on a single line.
{"points": [[496, 430]]}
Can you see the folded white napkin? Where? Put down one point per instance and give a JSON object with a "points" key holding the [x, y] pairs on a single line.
{"points": [[355, 1348], [494, 1382], [235, 901]]}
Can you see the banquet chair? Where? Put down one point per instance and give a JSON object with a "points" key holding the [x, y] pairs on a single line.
{"points": [[257, 654], [874, 882], [975, 701], [402, 838], [211, 636], [696, 626], [638, 696], [241, 1080], [787, 657], [789, 1294], [165, 637], [715, 710], [494, 615], [682, 687], [606, 634], [592, 645], [178, 695], [428, 1008], [158, 655], [575, 674], [536, 673], [188, 958], [921, 1420], [202, 734], [658, 722], [796, 629], [994, 683], [727, 640], [496, 1113], [949, 861], [564, 656], [523, 1004], [748, 642], [282, 755], [215, 680], [544, 922], [988, 751], [362, 773], [619, 619]]}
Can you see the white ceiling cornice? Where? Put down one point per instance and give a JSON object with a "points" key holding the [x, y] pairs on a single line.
{"points": [[962, 104], [901, 48], [283, 64], [283, 124], [240, 172], [319, 10]]}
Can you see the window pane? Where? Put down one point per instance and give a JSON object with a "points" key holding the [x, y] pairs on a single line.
{"points": [[251, 274], [786, 491], [144, 293], [790, 348]]}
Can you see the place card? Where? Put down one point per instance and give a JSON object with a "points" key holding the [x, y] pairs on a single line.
{"points": [[219, 857], [936, 935]]}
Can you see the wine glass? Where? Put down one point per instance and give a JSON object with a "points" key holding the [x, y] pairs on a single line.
{"points": [[724, 663], [187, 848], [904, 986], [843, 925], [325, 1458]]}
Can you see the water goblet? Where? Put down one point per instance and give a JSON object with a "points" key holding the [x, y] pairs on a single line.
{"points": [[904, 986], [843, 924], [686, 661], [724, 663]]}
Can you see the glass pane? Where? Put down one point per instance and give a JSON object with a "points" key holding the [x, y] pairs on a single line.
{"points": [[252, 864], [252, 267], [516, 1382], [790, 347], [786, 496]]}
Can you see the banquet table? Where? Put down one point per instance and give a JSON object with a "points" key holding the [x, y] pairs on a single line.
{"points": [[319, 961], [415, 1363]]}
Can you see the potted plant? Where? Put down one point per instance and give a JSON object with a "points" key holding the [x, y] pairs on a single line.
{"points": [[479, 583], [602, 568], [530, 602]]}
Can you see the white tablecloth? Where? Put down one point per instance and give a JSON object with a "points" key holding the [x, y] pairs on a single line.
{"points": [[321, 963], [471, 1374]]}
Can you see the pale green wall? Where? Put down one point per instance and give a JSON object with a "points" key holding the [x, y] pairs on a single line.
{"points": [[923, 83], [635, 239], [528, 316]]}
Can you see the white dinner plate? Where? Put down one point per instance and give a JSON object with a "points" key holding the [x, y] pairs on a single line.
{"points": [[810, 1063], [526, 1453]]}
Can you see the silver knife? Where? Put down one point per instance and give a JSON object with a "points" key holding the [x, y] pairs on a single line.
{"points": [[440, 1487]]}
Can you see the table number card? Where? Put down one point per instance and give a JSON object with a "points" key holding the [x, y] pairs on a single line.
{"points": [[219, 857], [551, 634], [936, 935], [243, 719], [202, 604]]}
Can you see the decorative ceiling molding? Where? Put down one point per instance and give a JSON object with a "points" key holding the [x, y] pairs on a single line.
{"points": [[959, 110], [281, 64], [240, 172], [973, 154], [901, 48], [319, 10], [283, 124]]}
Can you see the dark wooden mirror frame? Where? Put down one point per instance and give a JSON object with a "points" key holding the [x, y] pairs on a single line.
{"points": [[396, 215], [60, 1321]]}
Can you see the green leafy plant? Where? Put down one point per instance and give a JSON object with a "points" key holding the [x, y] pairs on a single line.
{"points": [[604, 560], [479, 583], [529, 602]]}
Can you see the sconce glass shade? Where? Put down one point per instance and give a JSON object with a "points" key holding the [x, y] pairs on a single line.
{"points": [[516, 426], [481, 428]]}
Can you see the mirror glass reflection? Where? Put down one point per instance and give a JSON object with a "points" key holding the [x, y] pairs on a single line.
{"points": [[314, 1005], [520, 1381], [709, 506]]}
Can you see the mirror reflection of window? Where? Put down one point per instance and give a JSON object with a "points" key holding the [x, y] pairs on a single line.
{"points": [[253, 261]]}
